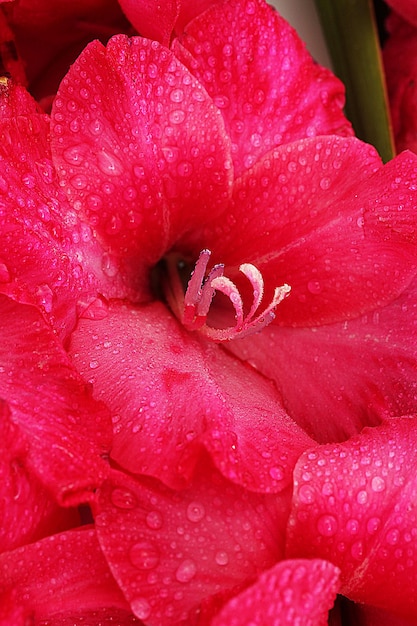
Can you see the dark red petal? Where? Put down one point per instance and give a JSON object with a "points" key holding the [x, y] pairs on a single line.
{"points": [[170, 550], [260, 75], [353, 504], [170, 394], [47, 255], [340, 228], [65, 431], [10, 62], [363, 615], [338, 378], [61, 577], [140, 149], [293, 592], [406, 8]]}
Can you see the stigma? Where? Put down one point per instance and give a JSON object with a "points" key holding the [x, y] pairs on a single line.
{"points": [[193, 306]]}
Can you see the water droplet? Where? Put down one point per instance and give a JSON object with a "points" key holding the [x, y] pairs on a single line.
{"points": [[97, 309], [123, 499], [378, 484], [195, 511], [109, 265], [222, 558], [4, 273], [177, 116], [373, 525], [325, 183], [356, 550], [314, 286], [362, 497], [154, 520], [327, 525], [393, 536], [141, 608], [184, 169], [144, 555], [186, 571], [109, 163], [46, 297], [93, 365], [276, 473], [306, 494]]}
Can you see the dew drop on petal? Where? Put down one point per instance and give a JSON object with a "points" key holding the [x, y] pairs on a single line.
{"points": [[356, 550], [222, 558], [378, 484], [186, 571], [306, 494], [123, 499], [314, 286], [154, 520], [362, 497], [393, 536], [276, 473], [141, 608], [327, 525], [373, 525], [195, 511], [144, 555]]}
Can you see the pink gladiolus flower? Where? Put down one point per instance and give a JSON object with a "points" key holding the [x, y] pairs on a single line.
{"points": [[181, 240]]}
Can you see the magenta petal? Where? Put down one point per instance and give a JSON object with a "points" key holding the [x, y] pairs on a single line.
{"points": [[140, 149], [353, 504], [260, 75], [16, 100], [60, 578], [27, 511], [65, 431], [151, 18], [340, 228], [170, 551], [343, 376], [169, 394], [47, 256], [293, 592]]}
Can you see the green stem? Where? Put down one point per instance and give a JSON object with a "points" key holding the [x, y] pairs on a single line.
{"points": [[350, 30]]}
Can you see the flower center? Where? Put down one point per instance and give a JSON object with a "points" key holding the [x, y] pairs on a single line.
{"points": [[192, 301]]}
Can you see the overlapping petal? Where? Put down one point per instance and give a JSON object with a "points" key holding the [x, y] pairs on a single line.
{"points": [[406, 8], [27, 511], [178, 549], [296, 591], [48, 257], [344, 244], [261, 77], [140, 149], [63, 431], [170, 394], [354, 505], [61, 580], [337, 378]]}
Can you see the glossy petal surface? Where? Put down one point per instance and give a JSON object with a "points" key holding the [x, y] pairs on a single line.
{"points": [[336, 379], [47, 255], [293, 592], [353, 504], [27, 510], [344, 244], [63, 429], [63, 577], [145, 163], [261, 77], [180, 548], [170, 394]]}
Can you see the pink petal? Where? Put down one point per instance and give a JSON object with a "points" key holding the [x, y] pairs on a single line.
{"points": [[15, 100], [344, 243], [152, 18], [64, 431], [170, 551], [293, 592], [62, 579], [47, 256], [353, 504], [27, 511], [140, 149], [261, 77], [170, 394], [342, 376]]}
